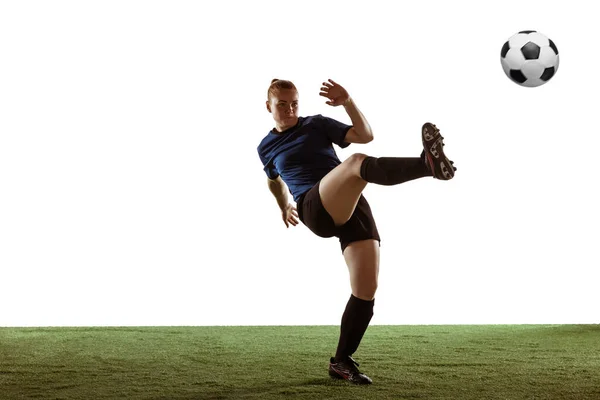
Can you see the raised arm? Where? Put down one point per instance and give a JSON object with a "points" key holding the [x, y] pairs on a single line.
{"points": [[361, 130]]}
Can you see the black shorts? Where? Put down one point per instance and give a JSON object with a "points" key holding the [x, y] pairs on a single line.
{"points": [[360, 226]]}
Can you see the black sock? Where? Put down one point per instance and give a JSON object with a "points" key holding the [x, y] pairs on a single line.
{"points": [[393, 170], [355, 321]]}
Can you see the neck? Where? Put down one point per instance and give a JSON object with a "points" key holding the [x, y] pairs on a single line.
{"points": [[280, 127]]}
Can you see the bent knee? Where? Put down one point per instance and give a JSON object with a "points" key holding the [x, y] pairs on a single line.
{"points": [[357, 158]]}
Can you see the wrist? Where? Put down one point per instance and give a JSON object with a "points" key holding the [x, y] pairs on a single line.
{"points": [[348, 101], [283, 205]]}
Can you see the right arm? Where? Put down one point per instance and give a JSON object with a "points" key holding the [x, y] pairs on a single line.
{"points": [[279, 190]]}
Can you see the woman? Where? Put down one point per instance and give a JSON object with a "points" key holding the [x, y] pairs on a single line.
{"points": [[298, 152]]}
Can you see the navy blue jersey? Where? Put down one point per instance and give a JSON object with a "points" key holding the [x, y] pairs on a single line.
{"points": [[303, 154]]}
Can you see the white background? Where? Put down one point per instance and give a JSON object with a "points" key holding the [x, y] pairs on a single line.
{"points": [[131, 192]]}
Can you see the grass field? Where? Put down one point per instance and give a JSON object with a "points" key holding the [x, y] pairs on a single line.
{"points": [[405, 362]]}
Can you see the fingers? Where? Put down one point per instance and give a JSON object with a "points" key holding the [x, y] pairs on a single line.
{"points": [[293, 217], [292, 221], [290, 216], [333, 91], [331, 102]]}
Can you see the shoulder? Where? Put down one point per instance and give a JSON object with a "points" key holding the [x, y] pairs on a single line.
{"points": [[322, 120], [264, 143], [317, 119]]}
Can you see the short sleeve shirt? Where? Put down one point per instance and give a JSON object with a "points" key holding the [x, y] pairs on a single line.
{"points": [[304, 154]]}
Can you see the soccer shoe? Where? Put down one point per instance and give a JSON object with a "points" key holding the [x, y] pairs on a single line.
{"points": [[437, 162], [348, 370]]}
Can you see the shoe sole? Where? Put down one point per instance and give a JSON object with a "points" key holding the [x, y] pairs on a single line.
{"points": [[439, 164], [335, 375]]}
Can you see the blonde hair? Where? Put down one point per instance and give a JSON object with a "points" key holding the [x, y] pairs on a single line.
{"points": [[278, 84]]}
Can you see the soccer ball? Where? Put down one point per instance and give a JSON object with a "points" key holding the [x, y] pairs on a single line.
{"points": [[529, 58]]}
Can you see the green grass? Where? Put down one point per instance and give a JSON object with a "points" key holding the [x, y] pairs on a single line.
{"points": [[405, 362]]}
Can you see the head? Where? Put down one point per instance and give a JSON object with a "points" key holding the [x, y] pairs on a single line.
{"points": [[282, 103]]}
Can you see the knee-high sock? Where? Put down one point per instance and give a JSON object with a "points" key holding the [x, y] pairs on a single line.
{"points": [[393, 170], [355, 321]]}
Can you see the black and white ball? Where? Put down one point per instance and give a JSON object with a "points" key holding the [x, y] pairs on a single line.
{"points": [[529, 58]]}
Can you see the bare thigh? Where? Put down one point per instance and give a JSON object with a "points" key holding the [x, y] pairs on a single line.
{"points": [[362, 258], [341, 188]]}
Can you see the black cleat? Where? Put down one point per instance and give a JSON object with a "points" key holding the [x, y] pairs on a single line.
{"points": [[437, 162], [348, 370]]}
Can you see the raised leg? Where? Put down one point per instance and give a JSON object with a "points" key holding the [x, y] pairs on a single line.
{"points": [[341, 188]]}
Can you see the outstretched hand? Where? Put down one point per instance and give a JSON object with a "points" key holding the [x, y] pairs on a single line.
{"points": [[289, 215], [336, 94]]}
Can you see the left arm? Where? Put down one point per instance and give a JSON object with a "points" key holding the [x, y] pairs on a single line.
{"points": [[361, 130]]}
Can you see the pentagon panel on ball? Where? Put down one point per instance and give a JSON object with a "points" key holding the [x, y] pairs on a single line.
{"points": [[529, 58]]}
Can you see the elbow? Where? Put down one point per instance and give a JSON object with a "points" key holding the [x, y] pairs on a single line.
{"points": [[361, 136]]}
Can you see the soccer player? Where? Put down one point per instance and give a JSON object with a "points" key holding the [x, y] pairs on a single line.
{"points": [[298, 153]]}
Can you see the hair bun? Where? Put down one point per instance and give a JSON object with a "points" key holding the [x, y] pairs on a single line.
{"points": [[274, 80]]}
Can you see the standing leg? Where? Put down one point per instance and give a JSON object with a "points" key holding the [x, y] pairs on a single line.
{"points": [[362, 258]]}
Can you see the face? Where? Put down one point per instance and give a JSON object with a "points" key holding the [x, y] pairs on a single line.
{"points": [[284, 107]]}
